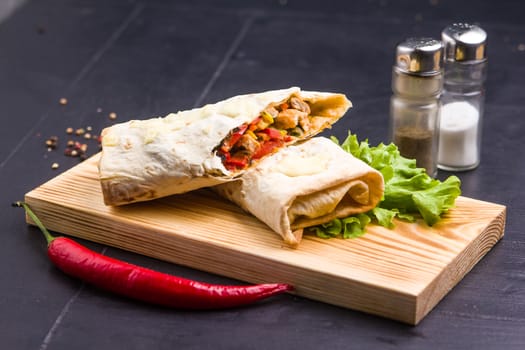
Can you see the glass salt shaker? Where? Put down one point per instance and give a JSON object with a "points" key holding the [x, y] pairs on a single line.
{"points": [[417, 82], [465, 71]]}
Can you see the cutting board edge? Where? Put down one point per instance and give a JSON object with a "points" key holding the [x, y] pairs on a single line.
{"points": [[451, 277]]}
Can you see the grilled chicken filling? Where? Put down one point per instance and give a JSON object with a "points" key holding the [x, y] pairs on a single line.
{"points": [[276, 126]]}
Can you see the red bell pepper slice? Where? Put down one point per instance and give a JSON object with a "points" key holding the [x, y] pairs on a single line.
{"points": [[273, 133], [236, 163], [253, 124], [267, 148], [234, 137]]}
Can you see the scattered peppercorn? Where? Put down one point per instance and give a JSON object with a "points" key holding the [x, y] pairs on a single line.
{"points": [[52, 142], [74, 148]]}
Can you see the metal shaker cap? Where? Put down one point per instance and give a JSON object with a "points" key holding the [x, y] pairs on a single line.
{"points": [[421, 56], [464, 42]]}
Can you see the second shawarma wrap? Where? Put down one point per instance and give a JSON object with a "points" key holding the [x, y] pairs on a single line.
{"points": [[147, 159], [306, 185]]}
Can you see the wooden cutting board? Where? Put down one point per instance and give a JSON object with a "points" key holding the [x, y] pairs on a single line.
{"points": [[399, 274]]}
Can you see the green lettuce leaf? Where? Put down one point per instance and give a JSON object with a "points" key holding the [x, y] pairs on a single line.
{"points": [[328, 230], [354, 226], [409, 191]]}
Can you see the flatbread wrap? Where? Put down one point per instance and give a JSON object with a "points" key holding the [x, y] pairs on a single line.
{"points": [[147, 159], [304, 185]]}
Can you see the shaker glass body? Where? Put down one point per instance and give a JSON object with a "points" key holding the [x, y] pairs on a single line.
{"points": [[461, 115], [414, 117]]}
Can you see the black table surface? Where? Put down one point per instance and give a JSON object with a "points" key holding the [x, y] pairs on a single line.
{"points": [[145, 58]]}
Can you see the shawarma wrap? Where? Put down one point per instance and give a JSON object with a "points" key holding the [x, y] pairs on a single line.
{"points": [[304, 185], [147, 159]]}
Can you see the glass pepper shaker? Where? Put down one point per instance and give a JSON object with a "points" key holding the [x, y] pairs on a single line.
{"points": [[417, 81], [465, 71]]}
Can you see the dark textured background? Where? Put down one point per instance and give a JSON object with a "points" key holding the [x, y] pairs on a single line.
{"points": [[143, 58]]}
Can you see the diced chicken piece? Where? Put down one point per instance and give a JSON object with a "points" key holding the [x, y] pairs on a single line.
{"points": [[297, 103], [272, 111], [289, 118], [305, 123], [248, 143]]}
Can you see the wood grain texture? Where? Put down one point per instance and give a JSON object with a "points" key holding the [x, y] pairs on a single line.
{"points": [[399, 274]]}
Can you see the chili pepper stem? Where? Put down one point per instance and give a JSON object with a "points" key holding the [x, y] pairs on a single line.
{"points": [[36, 220]]}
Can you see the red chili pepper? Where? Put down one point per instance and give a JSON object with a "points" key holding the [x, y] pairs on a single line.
{"points": [[145, 284]]}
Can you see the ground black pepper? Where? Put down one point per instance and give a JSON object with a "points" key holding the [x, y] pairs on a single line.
{"points": [[416, 144], [417, 81]]}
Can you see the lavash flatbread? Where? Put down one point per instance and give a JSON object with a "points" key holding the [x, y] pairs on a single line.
{"points": [[305, 185], [147, 159]]}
